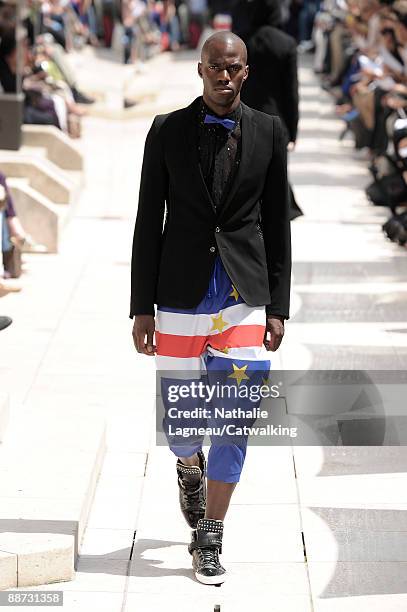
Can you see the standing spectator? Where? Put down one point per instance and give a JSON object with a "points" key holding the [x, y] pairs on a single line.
{"points": [[170, 29], [131, 11], [306, 18], [183, 17], [197, 18], [272, 86], [109, 15]]}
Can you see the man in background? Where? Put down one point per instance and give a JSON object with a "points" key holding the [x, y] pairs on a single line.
{"points": [[272, 86]]}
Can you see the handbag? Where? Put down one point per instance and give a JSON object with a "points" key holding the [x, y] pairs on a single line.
{"points": [[389, 190], [11, 254], [12, 262], [395, 228]]}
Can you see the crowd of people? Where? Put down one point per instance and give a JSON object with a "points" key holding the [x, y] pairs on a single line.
{"points": [[52, 28], [40, 71], [13, 240], [359, 50], [361, 53], [151, 25]]}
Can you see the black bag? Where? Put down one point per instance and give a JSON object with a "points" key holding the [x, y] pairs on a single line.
{"points": [[363, 136], [12, 262], [396, 228], [389, 190]]}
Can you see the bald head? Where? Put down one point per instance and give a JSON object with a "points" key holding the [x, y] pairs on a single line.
{"points": [[226, 42], [223, 69]]}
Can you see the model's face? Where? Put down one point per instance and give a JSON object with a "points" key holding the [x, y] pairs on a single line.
{"points": [[223, 70]]}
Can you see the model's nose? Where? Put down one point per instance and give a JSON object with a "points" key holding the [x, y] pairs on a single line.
{"points": [[224, 77]]}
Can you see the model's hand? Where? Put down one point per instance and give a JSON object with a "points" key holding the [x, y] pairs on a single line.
{"points": [[143, 332], [291, 146], [275, 329]]}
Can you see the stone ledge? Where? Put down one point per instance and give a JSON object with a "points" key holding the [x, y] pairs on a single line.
{"points": [[8, 570], [31, 559], [43, 176], [59, 148], [39, 216], [45, 499]]}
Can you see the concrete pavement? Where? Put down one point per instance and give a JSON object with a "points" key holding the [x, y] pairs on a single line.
{"points": [[321, 529]]}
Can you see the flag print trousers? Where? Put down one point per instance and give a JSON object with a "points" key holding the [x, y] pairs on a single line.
{"points": [[219, 344]]}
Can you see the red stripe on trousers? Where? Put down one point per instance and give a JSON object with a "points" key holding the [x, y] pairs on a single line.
{"points": [[173, 345]]}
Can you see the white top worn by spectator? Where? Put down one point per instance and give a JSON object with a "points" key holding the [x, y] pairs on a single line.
{"points": [[392, 62], [376, 68], [138, 8], [197, 6]]}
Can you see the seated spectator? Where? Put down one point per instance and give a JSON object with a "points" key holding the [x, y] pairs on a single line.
{"points": [[15, 231], [366, 68], [57, 55], [46, 101], [6, 285], [53, 20]]}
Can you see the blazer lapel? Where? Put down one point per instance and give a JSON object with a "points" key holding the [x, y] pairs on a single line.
{"points": [[248, 140]]}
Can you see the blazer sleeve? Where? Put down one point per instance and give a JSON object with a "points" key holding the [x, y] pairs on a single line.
{"points": [[276, 225], [290, 93], [148, 228]]}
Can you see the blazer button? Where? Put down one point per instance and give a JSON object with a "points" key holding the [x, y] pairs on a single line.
{"points": [[212, 249], [217, 229]]}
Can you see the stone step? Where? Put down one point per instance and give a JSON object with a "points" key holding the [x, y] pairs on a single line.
{"points": [[30, 559], [37, 151], [40, 217], [4, 414], [56, 145], [50, 462], [44, 176]]}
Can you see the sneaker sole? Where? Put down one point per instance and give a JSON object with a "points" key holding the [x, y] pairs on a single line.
{"points": [[210, 579]]}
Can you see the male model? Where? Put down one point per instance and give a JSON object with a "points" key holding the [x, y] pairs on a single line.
{"points": [[212, 251]]}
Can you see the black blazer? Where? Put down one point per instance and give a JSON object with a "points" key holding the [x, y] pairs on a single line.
{"points": [[272, 85], [172, 265]]}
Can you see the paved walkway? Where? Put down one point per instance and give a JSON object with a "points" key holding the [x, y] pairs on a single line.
{"points": [[318, 529]]}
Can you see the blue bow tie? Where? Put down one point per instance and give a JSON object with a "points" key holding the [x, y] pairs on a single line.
{"points": [[229, 124]]}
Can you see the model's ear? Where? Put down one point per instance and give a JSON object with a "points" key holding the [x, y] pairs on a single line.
{"points": [[246, 72], [200, 69]]}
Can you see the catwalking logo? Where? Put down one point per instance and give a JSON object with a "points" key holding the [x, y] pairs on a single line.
{"points": [[232, 429], [200, 390]]}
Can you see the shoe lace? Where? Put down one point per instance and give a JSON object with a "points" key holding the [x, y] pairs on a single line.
{"points": [[193, 495], [209, 556]]}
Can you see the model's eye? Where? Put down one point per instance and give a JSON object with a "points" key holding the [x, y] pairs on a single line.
{"points": [[235, 68]]}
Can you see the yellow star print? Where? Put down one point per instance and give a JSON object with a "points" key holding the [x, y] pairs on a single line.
{"points": [[266, 381], [224, 350], [218, 323], [239, 374], [234, 293]]}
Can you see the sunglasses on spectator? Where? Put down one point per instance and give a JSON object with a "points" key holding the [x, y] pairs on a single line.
{"points": [[385, 31]]}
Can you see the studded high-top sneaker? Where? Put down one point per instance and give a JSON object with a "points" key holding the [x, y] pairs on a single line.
{"points": [[192, 490], [205, 548]]}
